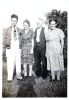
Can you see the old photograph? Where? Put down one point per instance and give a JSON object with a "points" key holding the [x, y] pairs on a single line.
{"points": [[34, 49]]}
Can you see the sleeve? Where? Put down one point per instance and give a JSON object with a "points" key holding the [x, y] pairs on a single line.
{"points": [[4, 43], [4, 38], [61, 34]]}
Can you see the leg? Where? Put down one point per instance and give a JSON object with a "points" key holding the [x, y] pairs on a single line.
{"points": [[10, 64], [44, 63], [22, 69], [18, 64], [53, 75], [30, 70], [58, 75], [37, 57], [25, 69]]}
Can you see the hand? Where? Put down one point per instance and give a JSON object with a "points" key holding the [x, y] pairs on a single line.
{"points": [[31, 52]]}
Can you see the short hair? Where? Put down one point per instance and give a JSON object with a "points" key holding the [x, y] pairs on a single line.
{"points": [[27, 21], [14, 16]]}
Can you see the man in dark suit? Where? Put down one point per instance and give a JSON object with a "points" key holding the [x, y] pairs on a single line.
{"points": [[40, 50], [11, 47]]}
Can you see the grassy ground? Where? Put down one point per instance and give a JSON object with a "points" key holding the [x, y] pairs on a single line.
{"points": [[32, 87]]}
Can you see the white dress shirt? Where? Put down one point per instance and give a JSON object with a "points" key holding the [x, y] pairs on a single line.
{"points": [[14, 41], [12, 36], [38, 34]]}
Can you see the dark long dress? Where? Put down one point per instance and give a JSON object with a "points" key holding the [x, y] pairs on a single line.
{"points": [[26, 57]]}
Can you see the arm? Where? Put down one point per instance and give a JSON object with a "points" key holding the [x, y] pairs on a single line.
{"points": [[62, 43], [32, 46], [62, 39], [4, 43], [32, 42], [4, 38]]}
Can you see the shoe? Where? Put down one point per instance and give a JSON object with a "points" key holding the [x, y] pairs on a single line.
{"points": [[30, 75], [58, 80], [19, 78], [52, 80], [25, 75], [9, 80]]}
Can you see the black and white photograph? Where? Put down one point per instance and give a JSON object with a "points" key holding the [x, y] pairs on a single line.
{"points": [[34, 36]]}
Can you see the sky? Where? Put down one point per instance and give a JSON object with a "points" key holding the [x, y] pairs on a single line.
{"points": [[26, 9]]}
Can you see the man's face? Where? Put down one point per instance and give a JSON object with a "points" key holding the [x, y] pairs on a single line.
{"points": [[14, 22], [39, 23]]}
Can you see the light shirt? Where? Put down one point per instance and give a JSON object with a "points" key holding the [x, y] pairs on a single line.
{"points": [[14, 41], [12, 36], [38, 34]]}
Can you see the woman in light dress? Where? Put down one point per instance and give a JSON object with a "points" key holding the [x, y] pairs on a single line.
{"points": [[54, 49]]}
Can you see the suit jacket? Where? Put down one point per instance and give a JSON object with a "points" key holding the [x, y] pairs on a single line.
{"points": [[7, 37]]}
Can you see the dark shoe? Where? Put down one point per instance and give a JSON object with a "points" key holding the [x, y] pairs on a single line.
{"points": [[9, 81], [52, 80], [58, 80]]}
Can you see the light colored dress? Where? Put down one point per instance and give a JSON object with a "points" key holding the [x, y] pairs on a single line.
{"points": [[53, 47]]}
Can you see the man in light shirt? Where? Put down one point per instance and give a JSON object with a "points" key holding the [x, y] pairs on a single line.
{"points": [[40, 50], [11, 46]]}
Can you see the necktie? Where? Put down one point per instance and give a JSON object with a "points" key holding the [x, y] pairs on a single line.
{"points": [[14, 33]]}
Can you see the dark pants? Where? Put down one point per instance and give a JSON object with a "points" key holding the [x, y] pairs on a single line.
{"points": [[40, 61]]}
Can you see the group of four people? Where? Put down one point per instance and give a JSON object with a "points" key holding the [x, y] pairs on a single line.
{"points": [[43, 47]]}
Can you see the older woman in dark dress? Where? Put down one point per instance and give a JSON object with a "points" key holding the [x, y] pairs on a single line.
{"points": [[27, 47]]}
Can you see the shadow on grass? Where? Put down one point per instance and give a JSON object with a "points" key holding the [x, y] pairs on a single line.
{"points": [[26, 90]]}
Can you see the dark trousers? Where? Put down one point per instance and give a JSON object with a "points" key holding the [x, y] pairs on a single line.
{"points": [[40, 61]]}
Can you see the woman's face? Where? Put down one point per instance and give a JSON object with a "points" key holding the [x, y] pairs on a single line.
{"points": [[52, 25], [25, 25]]}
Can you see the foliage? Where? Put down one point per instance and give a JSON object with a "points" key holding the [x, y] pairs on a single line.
{"points": [[61, 18]]}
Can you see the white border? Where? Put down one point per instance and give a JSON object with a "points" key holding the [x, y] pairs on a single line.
{"points": [[23, 8]]}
